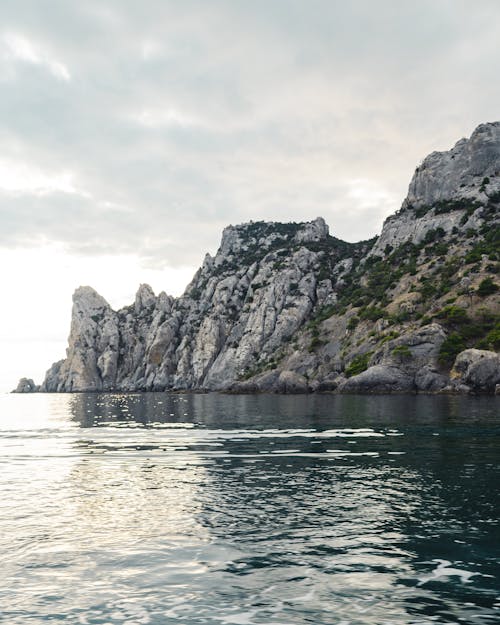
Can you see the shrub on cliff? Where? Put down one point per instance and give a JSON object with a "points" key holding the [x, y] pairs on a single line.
{"points": [[487, 287], [450, 349], [402, 352], [358, 364]]}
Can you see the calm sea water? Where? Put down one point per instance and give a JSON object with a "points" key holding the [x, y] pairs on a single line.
{"points": [[213, 509]]}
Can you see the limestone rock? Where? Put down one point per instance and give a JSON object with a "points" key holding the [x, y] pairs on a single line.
{"points": [[428, 380], [379, 379], [330, 383], [261, 316], [52, 382], [414, 349], [459, 171], [92, 352], [240, 308], [445, 187], [26, 385], [477, 368], [145, 299], [313, 231], [291, 382]]}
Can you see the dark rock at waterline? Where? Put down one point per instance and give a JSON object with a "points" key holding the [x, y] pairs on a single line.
{"points": [[379, 379], [26, 385], [477, 368]]}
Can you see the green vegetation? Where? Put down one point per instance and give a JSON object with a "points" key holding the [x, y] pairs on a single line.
{"points": [[490, 246], [254, 232], [433, 234], [451, 347], [332, 250], [484, 182], [266, 365], [482, 332], [434, 288], [447, 206], [492, 339], [437, 250], [358, 364], [422, 210], [487, 287], [370, 285], [322, 314], [388, 337], [259, 229], [352, 323], [402, 352], [380, 275], [371, 313], [465, 217], [452, 315], [315, 343]]}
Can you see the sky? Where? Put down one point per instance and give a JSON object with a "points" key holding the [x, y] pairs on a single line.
{"points": [[133, 132]]}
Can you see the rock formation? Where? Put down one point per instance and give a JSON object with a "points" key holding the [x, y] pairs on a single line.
{"points": [[242, 306], [477, 368], [444, 185], [26, 385], [289, 308]]}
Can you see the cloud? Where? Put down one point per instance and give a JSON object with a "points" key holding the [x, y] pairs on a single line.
{"points": [[18, 48], [146, 127], [18, 177]]}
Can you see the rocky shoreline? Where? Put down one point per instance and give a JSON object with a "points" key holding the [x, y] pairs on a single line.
{"points": [[288, 308]]}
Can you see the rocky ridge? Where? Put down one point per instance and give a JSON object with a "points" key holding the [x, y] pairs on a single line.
{"points": [[290, 308]]}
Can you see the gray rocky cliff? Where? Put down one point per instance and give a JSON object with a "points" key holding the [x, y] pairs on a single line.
{"points": [[241, 307], [285, 307], [449, 190], [461, 171], [92, 354]]}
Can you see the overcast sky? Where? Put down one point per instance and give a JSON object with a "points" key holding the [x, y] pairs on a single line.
{"points": [[133, 132]]}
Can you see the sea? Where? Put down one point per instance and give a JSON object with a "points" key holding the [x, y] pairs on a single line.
{"points": [[205, 509]]}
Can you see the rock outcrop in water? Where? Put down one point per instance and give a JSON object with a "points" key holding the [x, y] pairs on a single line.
{"points": [[26, 385], [289, 308]]}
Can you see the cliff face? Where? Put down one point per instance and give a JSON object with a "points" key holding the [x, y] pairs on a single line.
{"points": [[287, 307], [242, 306], [445, 187]]}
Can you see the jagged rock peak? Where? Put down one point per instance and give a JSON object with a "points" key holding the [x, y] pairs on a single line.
{"points": [[471, 169], [144, 298], [312, 231], [87, 298], [449, 192]]}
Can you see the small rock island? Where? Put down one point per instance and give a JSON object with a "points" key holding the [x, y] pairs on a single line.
{"points": [[286, 307]]}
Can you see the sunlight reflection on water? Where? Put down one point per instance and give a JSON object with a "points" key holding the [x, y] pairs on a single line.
{"points": [[196, 509]]}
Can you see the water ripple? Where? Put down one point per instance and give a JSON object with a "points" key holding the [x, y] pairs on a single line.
{"points": [[249, 510]]}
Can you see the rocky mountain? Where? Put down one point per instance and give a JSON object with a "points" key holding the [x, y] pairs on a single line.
{"points": [[290, 308]]}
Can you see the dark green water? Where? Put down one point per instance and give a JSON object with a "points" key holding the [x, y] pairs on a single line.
{"points": [[211, 509]]}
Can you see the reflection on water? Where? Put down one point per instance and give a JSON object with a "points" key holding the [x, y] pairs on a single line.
{"points": [[194, 509]]}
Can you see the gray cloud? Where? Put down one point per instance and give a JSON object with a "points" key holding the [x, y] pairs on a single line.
{"points": [[146, 127]]}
